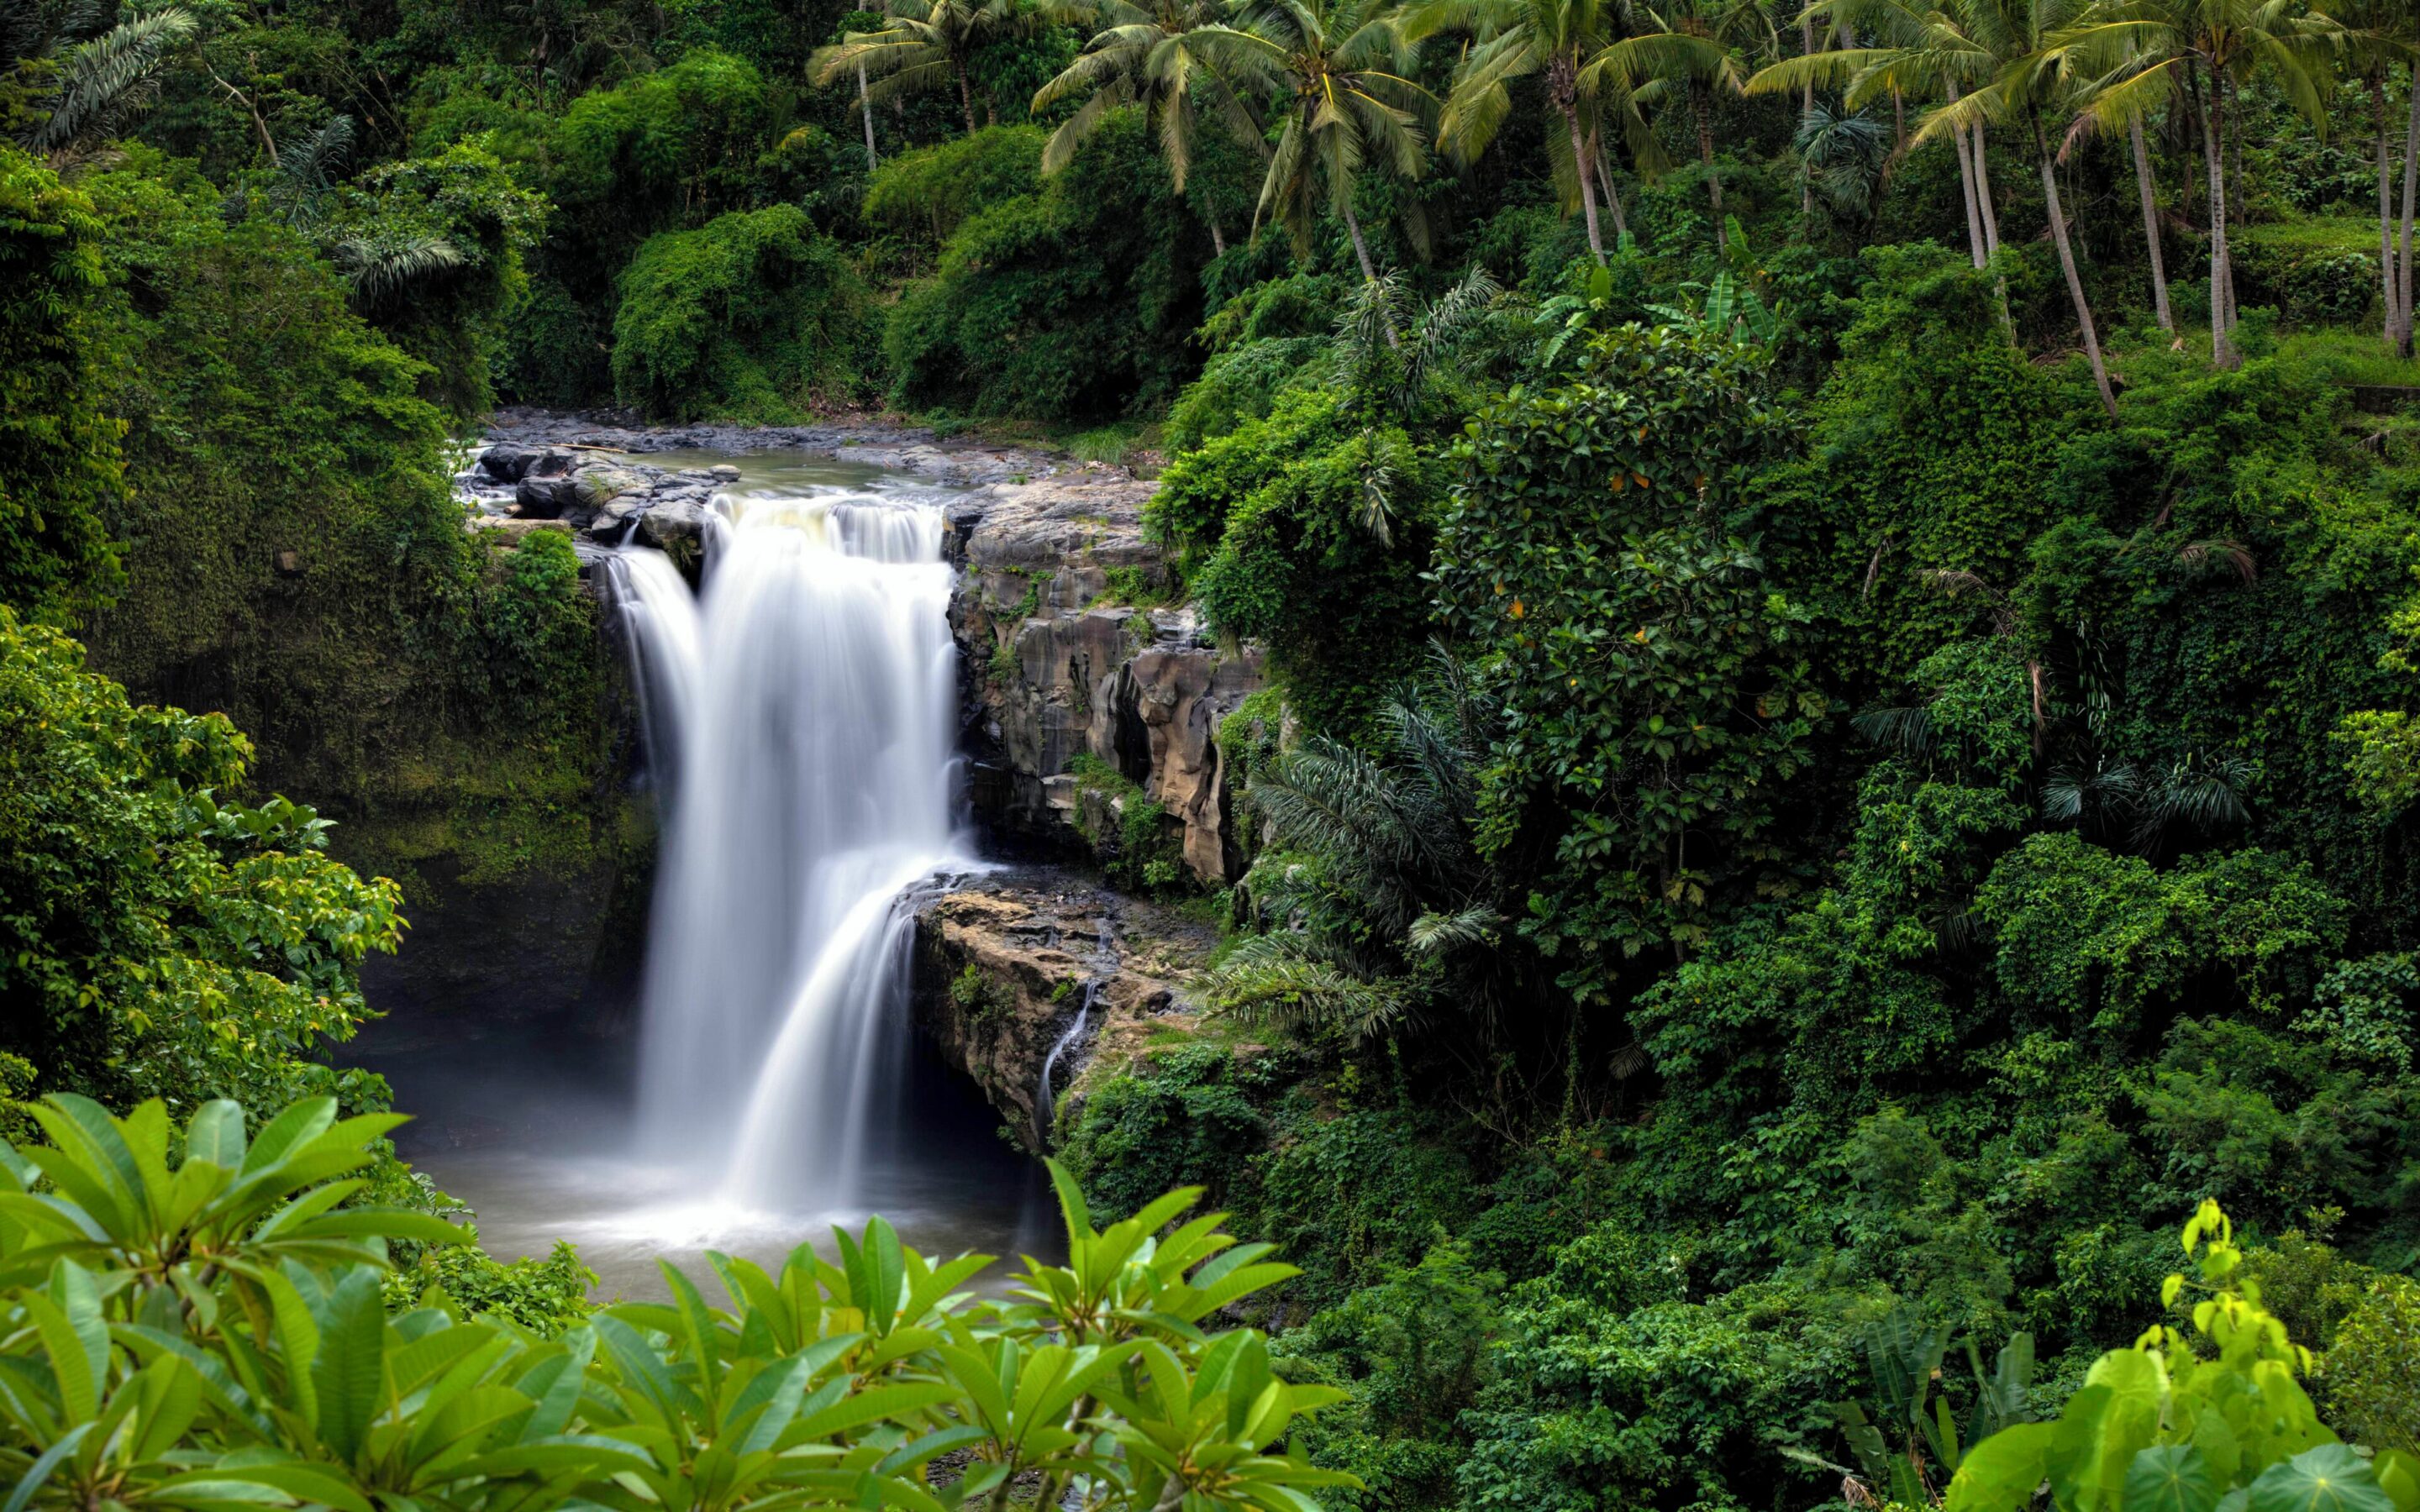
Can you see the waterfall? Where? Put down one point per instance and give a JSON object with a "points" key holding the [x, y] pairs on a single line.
{"points": [[803, 705]]}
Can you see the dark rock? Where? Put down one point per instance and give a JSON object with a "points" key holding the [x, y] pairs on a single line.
{"points": [[506, 463]]}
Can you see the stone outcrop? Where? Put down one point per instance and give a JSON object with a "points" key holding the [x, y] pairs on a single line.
{"points": [[1060, 664], [1008, 962]]}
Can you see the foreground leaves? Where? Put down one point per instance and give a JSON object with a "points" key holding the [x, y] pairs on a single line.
{"points": [[212, 1337]]}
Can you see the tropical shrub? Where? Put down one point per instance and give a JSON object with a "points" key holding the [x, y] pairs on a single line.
{"points": [[2197, 1420], [1599, 556], [932, 190], [58, 445], [161, 939], [1073, 302], [751, 316], [1274, 526], [215, 1335]]}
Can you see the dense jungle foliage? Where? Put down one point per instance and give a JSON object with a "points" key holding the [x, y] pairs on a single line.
{"points": [[1843, 595]]}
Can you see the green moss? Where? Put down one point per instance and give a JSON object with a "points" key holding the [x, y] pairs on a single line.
{"points": [[1143, 851]]}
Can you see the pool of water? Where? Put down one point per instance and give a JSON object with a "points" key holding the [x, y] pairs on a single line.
{"points": [[531, 1131]]}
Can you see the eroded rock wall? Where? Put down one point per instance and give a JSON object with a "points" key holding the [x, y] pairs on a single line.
{"points": [[1060, 661]]}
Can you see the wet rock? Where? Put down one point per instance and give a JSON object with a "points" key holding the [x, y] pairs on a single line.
{"points": [[599, 484], [1005, 962], [546, 489], [507, 462]]}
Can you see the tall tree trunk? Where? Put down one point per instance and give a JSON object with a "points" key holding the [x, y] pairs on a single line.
{"points": [[2144, 186], [966, 95], [2389, 274], [1360, 248], [1218, 241], [2222, 346], [1983, 195], [1899, 121], [1612, 194], [1588, 186], [1807, 108], [2411, 193], [1974, 248], [2074, 279], [865, 104], [1703, 110]]}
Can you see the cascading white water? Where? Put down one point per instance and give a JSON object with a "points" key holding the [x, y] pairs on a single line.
{"points": [[804, 703]]}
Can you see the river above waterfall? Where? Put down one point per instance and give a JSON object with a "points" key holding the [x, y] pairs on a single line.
{"points": [[800, 715]]}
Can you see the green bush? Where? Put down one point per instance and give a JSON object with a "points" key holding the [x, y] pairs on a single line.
{"points": [[754, 317], [1072, 304], [459, 320], [161, 940], [2183, 1420], [932, 190], [216, 1334], [58, 445], [1599, 556], [1271, 525]]}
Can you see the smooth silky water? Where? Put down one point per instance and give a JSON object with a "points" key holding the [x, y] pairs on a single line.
{"points": [[798, 715]]}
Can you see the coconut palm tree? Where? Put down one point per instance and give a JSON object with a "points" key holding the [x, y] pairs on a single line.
{"points": [[1145, 54], [1342, 68], [2382, 35], [1689, 47], [2032, 79], [1516, 40], [928, 48], [2141, 49], [1919, 51]]}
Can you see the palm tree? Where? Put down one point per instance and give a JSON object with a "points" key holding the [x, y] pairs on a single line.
{"points": [[1517, 38], [2381, 34], [929, 50], [105, 80], [1919, 52], [1344, 67], [2143, 48], [1690, 48], [2031, 77], [1147, 54], [1373, 900]]}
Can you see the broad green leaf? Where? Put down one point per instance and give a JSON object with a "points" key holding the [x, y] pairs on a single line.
{"points": [[350, 1368], [1999, 1474], [2170, 1477], [215, 1135], [2328, 1478]]}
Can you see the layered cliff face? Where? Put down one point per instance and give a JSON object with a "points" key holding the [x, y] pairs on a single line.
{"points": [[1014, 966], [1074, 668]]}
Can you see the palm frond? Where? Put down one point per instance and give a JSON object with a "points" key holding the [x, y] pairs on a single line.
{"points": [[106, 79]]}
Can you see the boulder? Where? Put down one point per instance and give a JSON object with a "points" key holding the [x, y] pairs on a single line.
{"points": [[599, 484], [546, 489], [505, 462]]}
